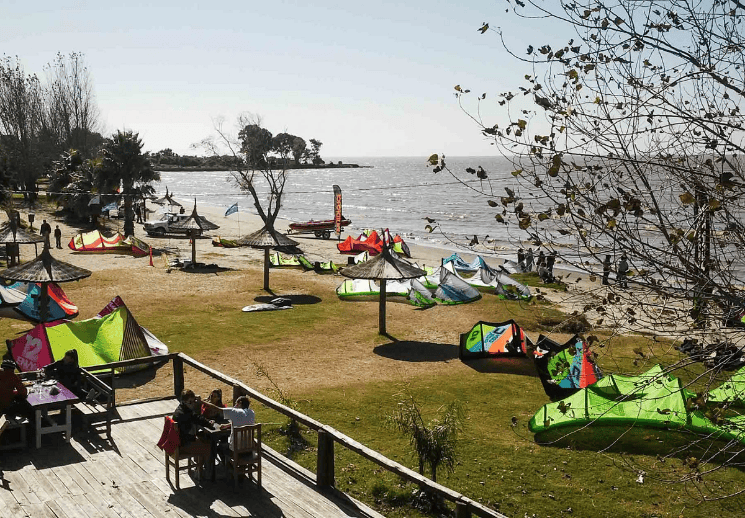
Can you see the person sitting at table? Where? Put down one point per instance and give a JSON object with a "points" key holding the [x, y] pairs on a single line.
{"points": [[188, 419], [67, 372], [240, 415], [12, 391], [215, 399]]}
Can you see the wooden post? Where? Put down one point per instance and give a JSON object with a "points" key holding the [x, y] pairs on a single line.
{"points": [[193, 247], [237, 392], [381, 310], [461, 510], [266, 269], [178, 376], [325, 460], [44, 302]]}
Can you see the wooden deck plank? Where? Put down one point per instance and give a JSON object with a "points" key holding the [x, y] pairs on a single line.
{"points": [[37, 510], [21, 491], [30, 478], [9, 506], [54, 507]]}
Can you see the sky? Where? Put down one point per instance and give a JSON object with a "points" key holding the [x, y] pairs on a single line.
{"points": [[366, 79]]}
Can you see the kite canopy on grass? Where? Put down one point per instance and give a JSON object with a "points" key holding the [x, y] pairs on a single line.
{"points": [[565, 368], [266, 239], [112, 335], [488, 340], [383, 267], [45, 269]]}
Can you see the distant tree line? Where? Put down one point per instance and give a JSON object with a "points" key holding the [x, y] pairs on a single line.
{"points": [[264, 150]]}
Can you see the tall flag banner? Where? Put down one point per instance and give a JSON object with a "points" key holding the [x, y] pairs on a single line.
{"points": [[337, 210], [231, 210]]}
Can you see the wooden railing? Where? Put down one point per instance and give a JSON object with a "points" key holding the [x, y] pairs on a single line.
{"points": [[327, 436]]}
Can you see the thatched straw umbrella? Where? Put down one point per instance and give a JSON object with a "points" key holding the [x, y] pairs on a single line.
{"points": [[45, 269], [267, 239], [383, 267], [12, 234], [167, 200], [195, 225]]}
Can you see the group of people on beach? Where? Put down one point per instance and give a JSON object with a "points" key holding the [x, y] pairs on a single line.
{"points": [[544, 264], [46, 230]]}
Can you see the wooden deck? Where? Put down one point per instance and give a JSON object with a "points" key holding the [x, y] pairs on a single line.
{"points": [[90, 477]]}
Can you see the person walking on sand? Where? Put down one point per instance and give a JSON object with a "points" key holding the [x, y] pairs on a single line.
{"points": [[529, 260], [521, 259], [623, 271], [606, 270], [58, 236]]}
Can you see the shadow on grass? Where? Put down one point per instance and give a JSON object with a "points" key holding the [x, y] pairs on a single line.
{"points": [[204, 268], [138, 378], [637, 440], [504, 365], [410, 351], [294, 299]]}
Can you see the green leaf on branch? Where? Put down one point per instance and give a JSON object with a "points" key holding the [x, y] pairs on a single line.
{"points": [[433, 159], [518, 172], [687, 198]]}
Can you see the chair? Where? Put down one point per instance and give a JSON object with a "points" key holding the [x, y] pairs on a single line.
{"points": [[170, 442], [245, 458]]}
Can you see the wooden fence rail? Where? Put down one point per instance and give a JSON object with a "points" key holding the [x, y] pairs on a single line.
{"points": [[327, 436]]}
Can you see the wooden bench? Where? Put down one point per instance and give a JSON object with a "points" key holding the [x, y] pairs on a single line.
{"points": [[102, 410]]}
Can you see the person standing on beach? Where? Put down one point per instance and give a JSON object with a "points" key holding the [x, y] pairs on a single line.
{"points": [[541, 259], [521, 259], [58, 236], [529, 260], [623, 270], [45, 229], [550, 261], [606, 270]]}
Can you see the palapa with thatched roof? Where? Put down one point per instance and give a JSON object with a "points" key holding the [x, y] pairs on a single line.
{"points": [[384, 266], [167, 200], [266, 239], [195, 225], [12, 234], [45, 269]]}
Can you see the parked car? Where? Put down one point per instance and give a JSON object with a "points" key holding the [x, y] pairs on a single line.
{"points": [[165, 225]]}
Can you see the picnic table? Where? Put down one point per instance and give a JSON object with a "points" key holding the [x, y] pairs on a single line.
{"points": [[41, 400]]}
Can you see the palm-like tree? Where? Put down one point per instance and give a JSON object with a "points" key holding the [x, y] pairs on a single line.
{"points": [[123, 162]]}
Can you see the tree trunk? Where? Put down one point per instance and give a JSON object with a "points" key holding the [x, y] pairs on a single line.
{"points": [[129, 224]]}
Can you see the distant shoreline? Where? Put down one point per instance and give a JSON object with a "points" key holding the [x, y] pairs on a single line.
{"points": [[176, 168]]}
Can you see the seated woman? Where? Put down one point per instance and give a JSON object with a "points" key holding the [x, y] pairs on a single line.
{"points": [[188, 420], [12, 391], [67, 372], [215, 399]]}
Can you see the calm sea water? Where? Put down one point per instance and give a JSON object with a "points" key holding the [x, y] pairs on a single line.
{"points": [[394, 193]]}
